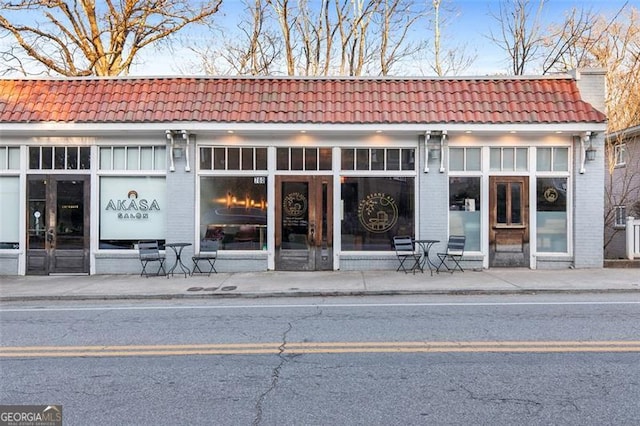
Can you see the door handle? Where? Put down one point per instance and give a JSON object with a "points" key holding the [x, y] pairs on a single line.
{"points": [[50, 235], [312, 238]]}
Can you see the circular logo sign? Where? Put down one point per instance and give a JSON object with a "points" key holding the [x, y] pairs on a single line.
{"points": [[551, 195], [295, 204], [378, 212]]}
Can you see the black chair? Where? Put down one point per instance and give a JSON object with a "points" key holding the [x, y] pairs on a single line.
{"points": [[149, 252], [209, 253], [454, 253], [405, 250]]}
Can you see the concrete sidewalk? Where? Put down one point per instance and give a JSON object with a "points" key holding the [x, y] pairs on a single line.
{"points": [[331, 283]]}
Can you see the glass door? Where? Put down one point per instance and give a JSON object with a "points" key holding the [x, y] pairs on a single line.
{"points": [[58, 224], [304, 233]]}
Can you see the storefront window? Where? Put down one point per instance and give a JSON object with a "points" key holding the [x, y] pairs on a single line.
{"points": [[552, 215], [10, 217], [464, 210], [131, 209], [374, 210], [233, 210]]}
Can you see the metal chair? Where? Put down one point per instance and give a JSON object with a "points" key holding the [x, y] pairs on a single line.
{"points": [[405, 250], [209, 253], [454, 252], [149, 252]]}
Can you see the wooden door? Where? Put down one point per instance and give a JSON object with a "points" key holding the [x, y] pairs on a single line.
{"points": [[58, 224], [509, 221], [304, 223]]}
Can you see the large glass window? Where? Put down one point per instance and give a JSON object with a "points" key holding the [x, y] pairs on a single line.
{"points": [[10, 217], [552, 214], [233, 210], [132, 208], [374, 210], [464, 209]]}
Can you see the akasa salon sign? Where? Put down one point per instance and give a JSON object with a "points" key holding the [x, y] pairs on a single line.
{"points": [[132, 208]]}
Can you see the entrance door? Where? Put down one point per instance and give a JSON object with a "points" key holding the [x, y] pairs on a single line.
{"points": [[509, 221], [58, 231], [304, 223]]}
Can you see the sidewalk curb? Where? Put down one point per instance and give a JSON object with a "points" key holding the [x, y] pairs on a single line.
{"points": [[336, 293]]}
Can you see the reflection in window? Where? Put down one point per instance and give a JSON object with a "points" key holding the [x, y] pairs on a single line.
{"points": [[59, 158], [378, 159], [508, 159], [10, 217], [233, 210], [132, 208], [9, 158], [374, 210], [464, 210], [465, 159], [551, 194], [509, 203], [552, 159], [303, 158]]}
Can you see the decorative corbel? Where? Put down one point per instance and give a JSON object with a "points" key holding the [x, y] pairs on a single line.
{"points": [[444, 136], [185, 136], [427, 137], [169, 134], [584, 138]]}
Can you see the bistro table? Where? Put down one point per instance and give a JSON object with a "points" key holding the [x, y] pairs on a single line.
{"points": [[426, 245], [177, 249]]}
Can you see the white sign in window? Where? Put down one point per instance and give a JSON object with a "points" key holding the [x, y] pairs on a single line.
{"points": [[10, 217], [132, 208]]}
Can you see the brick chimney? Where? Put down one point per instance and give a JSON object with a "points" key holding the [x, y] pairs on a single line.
{"points": [[592, 85]]}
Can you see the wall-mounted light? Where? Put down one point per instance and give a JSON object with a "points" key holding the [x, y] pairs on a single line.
{"points": [[433, 148], [587, 154], [178, 144], [590, 152]]}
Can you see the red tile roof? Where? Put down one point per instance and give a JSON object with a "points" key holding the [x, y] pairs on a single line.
{"points": [[295, 100]]}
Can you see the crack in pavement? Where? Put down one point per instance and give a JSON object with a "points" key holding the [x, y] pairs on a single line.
{"points": [[275, 374]]}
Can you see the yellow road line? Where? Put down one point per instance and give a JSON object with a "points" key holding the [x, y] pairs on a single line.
{"points": [[295, 348]]}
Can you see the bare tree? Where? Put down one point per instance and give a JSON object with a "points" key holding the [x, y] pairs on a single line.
{"points": [[520, 32], [446, 61], [397, 19], [566, 45], [253, 49], [82, 37], [286, 16]]}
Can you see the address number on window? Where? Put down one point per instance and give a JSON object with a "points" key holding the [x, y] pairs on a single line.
{"points": [[260, 180]]}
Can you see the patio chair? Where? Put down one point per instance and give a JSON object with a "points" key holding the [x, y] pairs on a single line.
{"points": [[405, 250], [453, 253], [149, 252], [209, 253]]}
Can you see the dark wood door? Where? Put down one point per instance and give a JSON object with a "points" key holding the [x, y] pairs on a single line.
{"points": [[509, 221], [58, 224], [304, 223]]}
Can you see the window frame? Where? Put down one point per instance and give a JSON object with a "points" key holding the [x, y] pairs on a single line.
{"points": [[620, 155], [620, 216]]}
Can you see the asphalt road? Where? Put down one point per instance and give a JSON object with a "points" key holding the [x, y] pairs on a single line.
{"points": [[555, 359]]}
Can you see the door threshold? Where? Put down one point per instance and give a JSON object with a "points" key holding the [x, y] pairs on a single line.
{"points": [[75, 274]]}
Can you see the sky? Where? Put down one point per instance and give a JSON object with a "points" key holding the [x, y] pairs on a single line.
{"points": [[469, 29]]}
